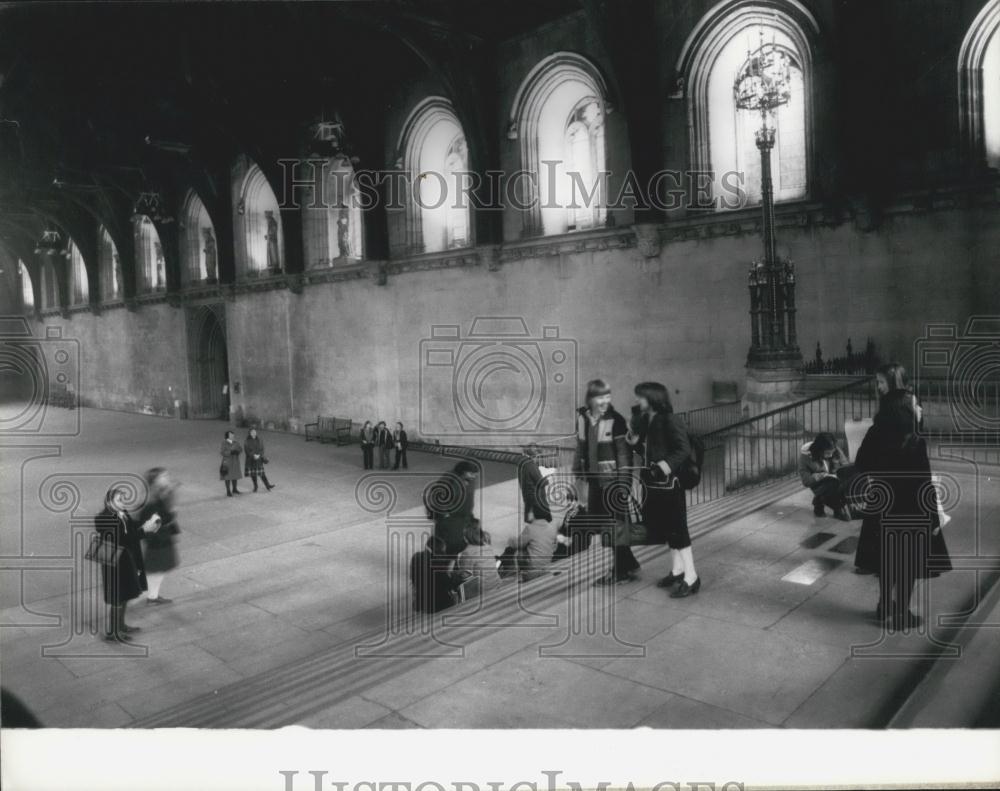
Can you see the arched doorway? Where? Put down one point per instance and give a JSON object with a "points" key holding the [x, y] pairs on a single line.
{"points": [[211, 367]]}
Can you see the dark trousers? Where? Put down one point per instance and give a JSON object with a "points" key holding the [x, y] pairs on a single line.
{"points": [[623, 561], [383, 458], [368, 456], [828, 492], [263, 477], [904, 554], [400, 456]]}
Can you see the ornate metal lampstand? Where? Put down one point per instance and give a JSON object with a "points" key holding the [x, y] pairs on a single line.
{"points": [[763, 85]]}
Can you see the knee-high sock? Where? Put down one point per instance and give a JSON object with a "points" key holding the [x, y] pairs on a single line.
{"points": [[154, 579], [690, 572]]}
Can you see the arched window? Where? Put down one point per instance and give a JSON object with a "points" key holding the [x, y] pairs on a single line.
{"points": [[333, 229], [979, 87], [199, 253], [79, 285], [149, 256], [110, 266], [50, 285], [261, 220], [436, 159], [722, 137], [27, 290], [558, 116]]}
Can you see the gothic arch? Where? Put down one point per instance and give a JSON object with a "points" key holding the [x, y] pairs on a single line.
{"points": [[713, 32], [548, 76], [983, 37], [431, 131]]}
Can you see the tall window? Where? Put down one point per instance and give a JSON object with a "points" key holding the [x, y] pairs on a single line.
{"points": [[199, 251], [333, 229], [261, 221], [80, 287], [50, 285], [558, 117], [110, 266], [149, 256], [722, 138], [27, 290], [435, 157], [979, 87]]}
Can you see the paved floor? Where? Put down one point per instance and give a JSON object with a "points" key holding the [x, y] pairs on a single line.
{"points": [[282, 597]]}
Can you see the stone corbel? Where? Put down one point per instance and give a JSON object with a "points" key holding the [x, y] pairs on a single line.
{"points": [[378, 272], [647, 239]]}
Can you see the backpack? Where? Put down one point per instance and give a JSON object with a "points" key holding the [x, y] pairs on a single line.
{"points": [[689, 475]]}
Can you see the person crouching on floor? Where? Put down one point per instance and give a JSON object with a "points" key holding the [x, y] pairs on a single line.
{"points": [[819, 461]]}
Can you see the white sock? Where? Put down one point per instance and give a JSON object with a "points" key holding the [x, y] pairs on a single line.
{"points": [[153, 581], [678, 563]]}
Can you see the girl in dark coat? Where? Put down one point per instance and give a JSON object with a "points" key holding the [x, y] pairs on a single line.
{"points": [[664, 438], [125, 578], [400, 441], [901, 509], [159, 549], [254, 447], [229, 471], [383, 441], [368, 445]]}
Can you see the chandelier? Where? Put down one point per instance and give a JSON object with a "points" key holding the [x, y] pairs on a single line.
{"points": [[763, 82]]}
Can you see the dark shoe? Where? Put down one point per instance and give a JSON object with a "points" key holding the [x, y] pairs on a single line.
{"points": [[117, 638], [255, 488], [229, 494], [616, 578], [670, 580], [842, 515], [159, 600], [237, 491], [880, 613], [271, 486], [130, 629], [684, 590], [818, 510]]}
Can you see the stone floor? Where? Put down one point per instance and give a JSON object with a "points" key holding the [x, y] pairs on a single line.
{"points": [[281, 599]]}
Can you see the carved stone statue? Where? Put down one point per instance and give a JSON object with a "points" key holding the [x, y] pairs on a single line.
{"points": [[160, 280], [211, 267], [273, 259], [344, 232]]}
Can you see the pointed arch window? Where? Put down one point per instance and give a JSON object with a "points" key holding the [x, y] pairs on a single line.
{"points": [[979, 88], [333, 229], [722, 140], [199, 251], [110, 266], [149, 256], [558, 117], [79, 285], [263, 237], [435, 156], [27, 290]]}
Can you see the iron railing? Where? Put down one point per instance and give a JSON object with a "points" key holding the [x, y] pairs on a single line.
{"points": [[712, 418], [756, 450]]}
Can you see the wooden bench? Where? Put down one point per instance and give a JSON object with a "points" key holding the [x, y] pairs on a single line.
{"points": [[329, 429]]}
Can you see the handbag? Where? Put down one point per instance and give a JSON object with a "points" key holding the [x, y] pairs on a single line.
{"points": [[263, 459], [223, 470], [100, 551]]}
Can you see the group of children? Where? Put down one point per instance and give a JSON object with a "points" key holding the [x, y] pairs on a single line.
{"points": [[379, 436]]}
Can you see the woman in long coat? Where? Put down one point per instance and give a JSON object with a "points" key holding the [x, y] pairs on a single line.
{"points": [[124, 578], [254, 448], [664, 512], [159, 549], [901, 509], [229, 471]]}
